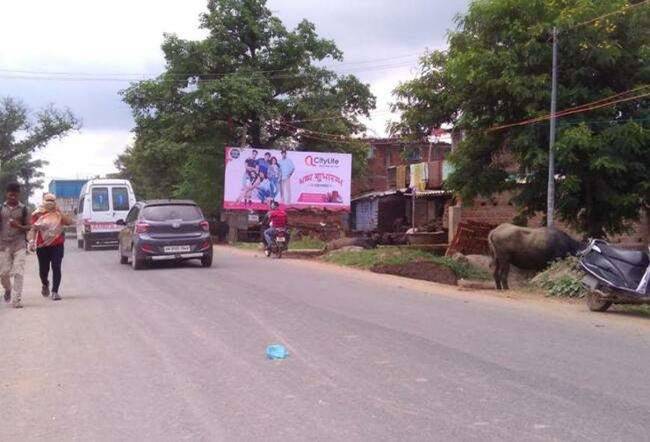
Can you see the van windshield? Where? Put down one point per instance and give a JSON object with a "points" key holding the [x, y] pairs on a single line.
{"points": [[181, 212], [100, 199], [120, 198]]}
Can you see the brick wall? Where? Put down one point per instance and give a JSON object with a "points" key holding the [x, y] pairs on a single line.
{"points": [[387, 153]]}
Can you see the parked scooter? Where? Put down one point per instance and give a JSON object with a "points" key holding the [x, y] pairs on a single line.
{"points": [[279, 244], [614, 275]]}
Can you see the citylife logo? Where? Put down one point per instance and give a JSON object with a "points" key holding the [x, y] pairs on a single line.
{"points": [[312, 161]]}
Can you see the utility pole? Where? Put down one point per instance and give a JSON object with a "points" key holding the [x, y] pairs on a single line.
{"points": [[550, 203]]}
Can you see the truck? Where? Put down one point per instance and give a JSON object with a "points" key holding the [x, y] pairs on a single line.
{"points": [[67, 193]]}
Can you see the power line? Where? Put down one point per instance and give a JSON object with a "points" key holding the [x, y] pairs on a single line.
{"points": [[577, 109], [137, 76], [199, 80]]}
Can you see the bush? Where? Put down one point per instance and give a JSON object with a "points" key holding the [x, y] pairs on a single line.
{"points": [[562, 279]]}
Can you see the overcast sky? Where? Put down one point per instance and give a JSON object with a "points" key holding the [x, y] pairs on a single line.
{"points": [[98, 38]]}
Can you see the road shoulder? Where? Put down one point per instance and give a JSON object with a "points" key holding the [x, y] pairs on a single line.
{"points": [[567, 309]]}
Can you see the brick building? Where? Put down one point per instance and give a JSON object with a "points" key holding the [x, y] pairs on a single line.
{"points": [[382, 194]]}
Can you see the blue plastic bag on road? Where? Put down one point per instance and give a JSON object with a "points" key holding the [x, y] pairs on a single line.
{"points": [[276, 351]]}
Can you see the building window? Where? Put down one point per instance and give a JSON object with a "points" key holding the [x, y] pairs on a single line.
{"points": [[371, 153], [414, 154]]}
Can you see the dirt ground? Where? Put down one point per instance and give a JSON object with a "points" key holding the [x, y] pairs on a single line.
{"points": [[425, 271]]}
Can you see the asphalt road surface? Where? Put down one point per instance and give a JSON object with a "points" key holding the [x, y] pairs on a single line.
{"points": [[179, 354]]}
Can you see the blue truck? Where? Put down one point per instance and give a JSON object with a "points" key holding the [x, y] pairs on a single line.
{"points": [[67, 193]]}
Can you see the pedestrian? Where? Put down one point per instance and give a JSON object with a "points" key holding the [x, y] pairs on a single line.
{"points": [[287, 168], [48, 223], [14, 225]]}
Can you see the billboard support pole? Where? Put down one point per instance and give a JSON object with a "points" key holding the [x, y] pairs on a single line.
{"points": [[413, 208]]}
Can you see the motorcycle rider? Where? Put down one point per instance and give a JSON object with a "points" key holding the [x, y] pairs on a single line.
{"points": [[277, 219]]}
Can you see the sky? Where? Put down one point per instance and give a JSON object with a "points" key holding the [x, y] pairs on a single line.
{"points": [[381, 41]]}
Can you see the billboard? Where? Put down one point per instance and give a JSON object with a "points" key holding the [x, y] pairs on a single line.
{"points": [[254, 177]]}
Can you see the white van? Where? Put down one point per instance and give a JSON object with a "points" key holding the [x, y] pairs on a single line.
{"points": [[101, 203]]}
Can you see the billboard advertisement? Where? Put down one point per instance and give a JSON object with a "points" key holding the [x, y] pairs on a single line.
{"points": [[255, 177]]}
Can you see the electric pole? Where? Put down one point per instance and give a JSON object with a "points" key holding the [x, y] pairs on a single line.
{"points": [[550, 203]]}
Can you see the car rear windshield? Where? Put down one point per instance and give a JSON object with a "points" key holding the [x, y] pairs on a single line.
{"points": [[120, 198], [100, 199], [179, 212]]}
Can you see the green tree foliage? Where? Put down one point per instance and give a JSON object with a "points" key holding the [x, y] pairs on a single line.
{"points": [[22, 134], [497, 70], [249, 82]]}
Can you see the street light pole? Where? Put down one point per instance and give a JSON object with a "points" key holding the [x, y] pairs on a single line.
{"points": [[550, 203]]}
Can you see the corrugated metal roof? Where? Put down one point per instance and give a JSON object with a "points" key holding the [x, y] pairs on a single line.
{"points": [[406, 192]]}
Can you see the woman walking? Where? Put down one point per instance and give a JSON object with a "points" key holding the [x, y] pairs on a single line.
{"points": [[48, 222]]}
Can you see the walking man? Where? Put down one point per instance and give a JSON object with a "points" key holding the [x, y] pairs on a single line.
{"points": [[14, 225], [287, 168]]}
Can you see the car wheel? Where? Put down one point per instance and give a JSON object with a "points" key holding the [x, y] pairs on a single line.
{"points": [[206, 261], [80, 243], [87, 244], [596, 303], [137, 264]]}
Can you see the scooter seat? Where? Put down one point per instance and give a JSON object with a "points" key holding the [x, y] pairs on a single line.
{"points": [[637, 259]]}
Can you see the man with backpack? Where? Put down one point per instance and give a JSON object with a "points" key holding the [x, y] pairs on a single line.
{"points": [[14, 225]]}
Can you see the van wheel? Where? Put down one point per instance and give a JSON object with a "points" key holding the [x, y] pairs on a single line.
{"points": [[596, 303], [80, 243]]}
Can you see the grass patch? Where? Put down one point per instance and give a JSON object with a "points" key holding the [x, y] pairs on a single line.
{"points": [[247, 245], [366, 259], [301, 244], [306, 243], [642, 310]]}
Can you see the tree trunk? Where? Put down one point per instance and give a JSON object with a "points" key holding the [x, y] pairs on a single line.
{"points": [[647, 226], [256, 132]]}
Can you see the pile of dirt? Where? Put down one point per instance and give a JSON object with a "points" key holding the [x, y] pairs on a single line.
{"points": [[426, 271]]}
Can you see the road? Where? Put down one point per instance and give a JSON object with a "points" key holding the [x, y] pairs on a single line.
{"points": [[179, 353]]}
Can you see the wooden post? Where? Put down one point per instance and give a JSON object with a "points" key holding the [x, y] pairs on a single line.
{"points": [[454, 220]]}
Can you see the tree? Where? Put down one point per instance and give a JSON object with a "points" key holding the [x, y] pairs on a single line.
{"points": [[250, 82], [21, 136], [497, 70]]}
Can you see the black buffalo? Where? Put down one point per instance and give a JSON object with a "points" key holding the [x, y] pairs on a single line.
{"points": [[526, 248]]}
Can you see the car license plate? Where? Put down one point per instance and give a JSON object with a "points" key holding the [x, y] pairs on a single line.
{"points": [[176, 249], [281, 239]]}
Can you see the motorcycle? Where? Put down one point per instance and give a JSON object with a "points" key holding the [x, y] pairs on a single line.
{"points": [[614, 275], [279, 244]]}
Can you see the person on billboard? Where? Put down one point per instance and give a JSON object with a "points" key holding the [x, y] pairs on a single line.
{"points": [[274, 176], [287, 168], [277, 219], [251, 167], [249, 179], [264, 163], [263, 187]]}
